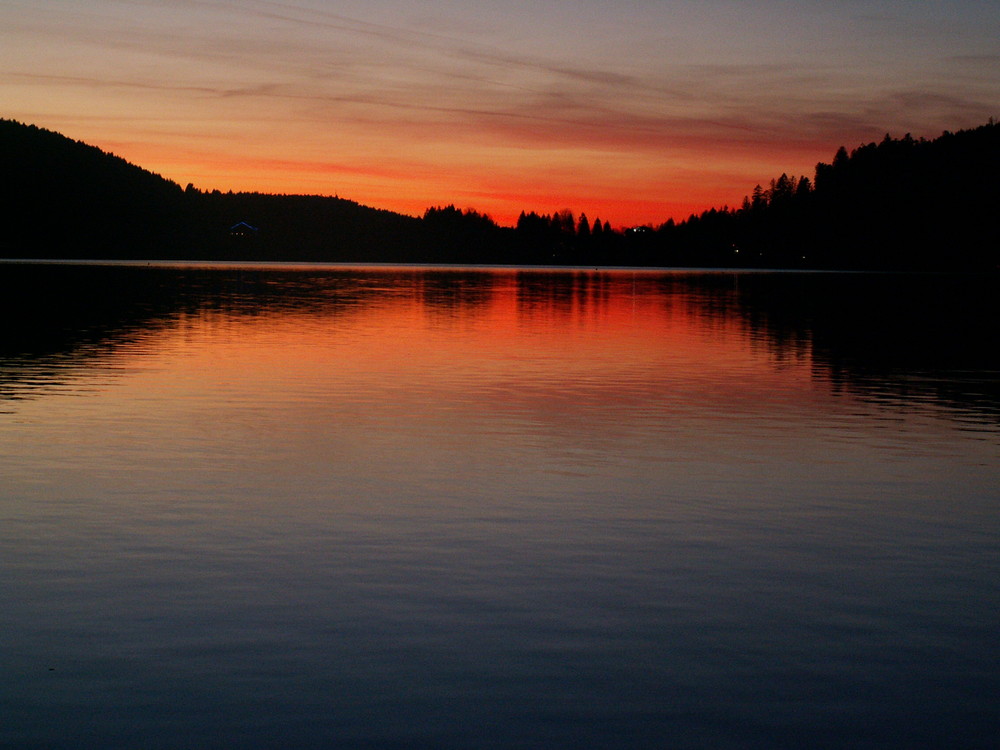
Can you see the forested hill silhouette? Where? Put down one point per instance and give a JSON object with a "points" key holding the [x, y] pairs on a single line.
{"points": [[65, 199], [898, 204]]}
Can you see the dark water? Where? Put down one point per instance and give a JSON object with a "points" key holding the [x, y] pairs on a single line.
{"points": [[376, 507]]}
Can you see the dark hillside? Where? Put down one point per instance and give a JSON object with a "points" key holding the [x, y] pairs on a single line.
{"points": [[62, 194], [909, 203], [307, 228], [64, 199], [898, 204]]}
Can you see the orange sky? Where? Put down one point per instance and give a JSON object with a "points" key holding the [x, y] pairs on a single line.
{"points": [[633, 112]]}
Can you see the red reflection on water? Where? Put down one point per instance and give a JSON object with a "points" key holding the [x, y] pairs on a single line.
{"points": [[547, 337]]}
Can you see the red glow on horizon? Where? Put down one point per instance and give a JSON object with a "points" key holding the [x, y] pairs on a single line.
{"points": [[632, 117], [411, 188]]}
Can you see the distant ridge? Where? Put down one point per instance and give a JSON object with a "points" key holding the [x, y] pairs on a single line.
{"points": [[901, 203]]}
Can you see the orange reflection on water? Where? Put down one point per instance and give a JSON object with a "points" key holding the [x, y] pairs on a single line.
{"points": [[513, 335], [304, 379]]}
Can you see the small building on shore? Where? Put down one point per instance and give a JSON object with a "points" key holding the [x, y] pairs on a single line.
{"points": [[243, 230]]}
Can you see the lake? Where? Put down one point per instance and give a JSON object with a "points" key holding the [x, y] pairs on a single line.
{"points": [[407, 507]]}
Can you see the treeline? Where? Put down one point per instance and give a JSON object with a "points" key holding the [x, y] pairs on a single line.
{"points": [[901, 203], [897, 204], [549, 239]]}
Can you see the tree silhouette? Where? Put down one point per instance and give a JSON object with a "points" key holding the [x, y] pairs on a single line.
{"points": [[901, 203]]}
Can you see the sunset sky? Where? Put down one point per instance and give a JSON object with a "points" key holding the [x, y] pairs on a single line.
{"points": [[633, 111]]}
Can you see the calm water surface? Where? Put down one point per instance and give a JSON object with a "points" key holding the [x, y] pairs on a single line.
{"points": [[445, 508]]}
